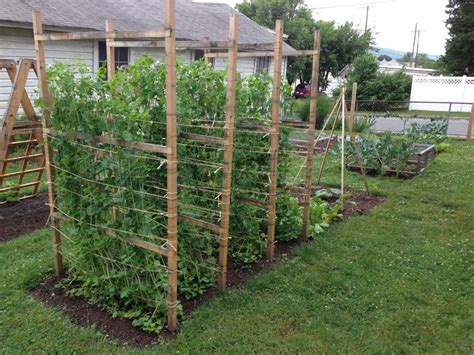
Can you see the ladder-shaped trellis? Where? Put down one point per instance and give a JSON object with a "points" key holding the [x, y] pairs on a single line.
{"points": [[22, 161]]}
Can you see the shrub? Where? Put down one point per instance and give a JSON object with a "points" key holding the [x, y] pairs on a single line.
{"points": [[301, 109]]}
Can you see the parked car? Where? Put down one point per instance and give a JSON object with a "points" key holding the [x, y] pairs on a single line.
{"points": [[302, 90]]}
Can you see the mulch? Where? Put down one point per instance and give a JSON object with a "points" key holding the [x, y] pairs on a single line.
{"points": [[83, 313], [23, 217]]}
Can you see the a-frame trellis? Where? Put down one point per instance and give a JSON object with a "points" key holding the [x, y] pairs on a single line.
{"points": [[20, 140]]}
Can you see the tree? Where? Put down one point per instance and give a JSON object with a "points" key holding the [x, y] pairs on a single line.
{"points": [[384, 57], [373, 85], [459, 58], [422, 61], [340, 44]]}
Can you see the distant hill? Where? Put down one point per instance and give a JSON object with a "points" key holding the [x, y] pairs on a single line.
{"points": [[376, 51]]}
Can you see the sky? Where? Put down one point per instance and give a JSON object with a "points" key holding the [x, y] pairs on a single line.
{"points": [[393, 21]]}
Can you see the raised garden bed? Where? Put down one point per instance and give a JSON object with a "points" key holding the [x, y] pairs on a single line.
{"points": [[319, 145], [424, 153]]}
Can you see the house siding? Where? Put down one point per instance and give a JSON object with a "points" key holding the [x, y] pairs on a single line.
{"points": [[18, 43]]}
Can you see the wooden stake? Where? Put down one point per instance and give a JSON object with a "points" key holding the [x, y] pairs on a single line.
{"points": [[352, 113], [277, 62], [172, 186], [48, 101], [353, 140], [471, 124], [311, 129], [343, 143], [326, 152], [228, 152], [109, 27]]}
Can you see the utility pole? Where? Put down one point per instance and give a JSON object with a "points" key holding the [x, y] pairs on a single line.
{"points": [[417, 49], [367, 18], [412, 64]]}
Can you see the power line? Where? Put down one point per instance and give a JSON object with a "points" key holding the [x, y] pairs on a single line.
{"points": [[351, 5]]}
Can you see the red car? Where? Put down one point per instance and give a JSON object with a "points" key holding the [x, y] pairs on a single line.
{"points": [[302, 90]]}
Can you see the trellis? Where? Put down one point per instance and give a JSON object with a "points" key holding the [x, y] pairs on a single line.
{"points": [[20, 140], [135, 39], [274, 130], [170, 45]]}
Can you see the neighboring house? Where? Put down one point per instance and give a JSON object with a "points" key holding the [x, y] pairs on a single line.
{"points": [[195, 21], [385, 66], [394, 65]]}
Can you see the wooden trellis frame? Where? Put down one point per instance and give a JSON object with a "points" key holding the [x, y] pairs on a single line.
{"points": [[169, 36], [170, 44], [274, 130], [13, 127]]}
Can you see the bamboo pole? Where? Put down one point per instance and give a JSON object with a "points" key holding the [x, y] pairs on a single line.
{"points": [[343, 142], [353, 140], [172, 186], [352, 114], [311, 129], [109, 27], [277, 62], [471, 124], [326, 152], [228, 152], [48, 152]]}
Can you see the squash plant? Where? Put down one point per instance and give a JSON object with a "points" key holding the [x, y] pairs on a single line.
{"points": [[92, 180]]}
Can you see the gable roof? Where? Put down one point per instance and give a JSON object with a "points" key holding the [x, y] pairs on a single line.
{"points": [[194, 21]]}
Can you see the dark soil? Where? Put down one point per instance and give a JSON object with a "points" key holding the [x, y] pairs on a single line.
{"points": [[23, 217], [83, 313]]}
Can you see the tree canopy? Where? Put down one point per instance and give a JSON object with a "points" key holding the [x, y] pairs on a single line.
{"points": [[374, 85], [340, 44], [459, 58]]}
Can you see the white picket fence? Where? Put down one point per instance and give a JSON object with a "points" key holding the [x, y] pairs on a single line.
{"points": [[442, 93]]}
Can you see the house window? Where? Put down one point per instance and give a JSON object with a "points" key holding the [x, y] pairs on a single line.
{"points": [[198, 54], [263, 65], [122, 56]]}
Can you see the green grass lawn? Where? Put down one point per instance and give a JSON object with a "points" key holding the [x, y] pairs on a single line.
{"points": [[396, 281]]}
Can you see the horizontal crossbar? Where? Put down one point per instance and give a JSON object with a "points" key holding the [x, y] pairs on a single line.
{"points": [[251, 201], [23, 142], [198, 223], [301, 53], [202, 138], [32, 156], [5, 189], [111, 233], [7, 64], [102, 35], [180, 45], [23, 172], [148, 147]]}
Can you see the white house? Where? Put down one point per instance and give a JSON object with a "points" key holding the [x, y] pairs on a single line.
{"points": [[195, 21], [392, 66]]}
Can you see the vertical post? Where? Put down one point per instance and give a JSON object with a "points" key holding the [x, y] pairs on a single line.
{"points": [[109, 27], [228, 151], [470, 124], [353, 107], [275, 132], [343, 139], [48, 152], [311, 129], [172, 200]]}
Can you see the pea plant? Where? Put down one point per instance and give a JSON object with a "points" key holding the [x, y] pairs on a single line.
{"points": [[94, 180]]}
